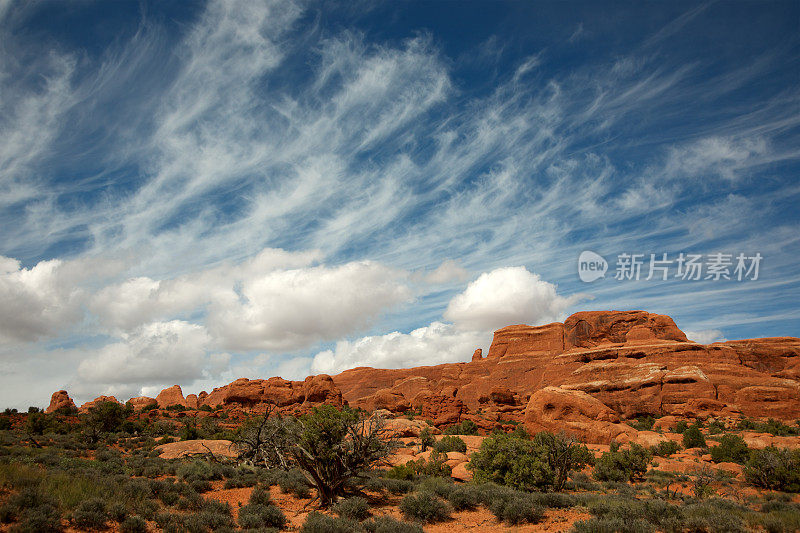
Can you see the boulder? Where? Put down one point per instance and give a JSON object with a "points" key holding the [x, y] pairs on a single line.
{"points": [[577, 413], [402, 427], [443, 410], [176, 450], [387, 399], [60, 400], [477, 355]]}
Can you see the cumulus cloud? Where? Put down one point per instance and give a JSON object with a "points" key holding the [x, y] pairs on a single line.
{"points": [[160, 353], [429, 345], [140, 300], [498, 298], [37, 301], [705, 336], [291, 309], [510, 295]]}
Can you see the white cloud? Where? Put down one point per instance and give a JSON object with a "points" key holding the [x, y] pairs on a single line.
{"points": [[291, 309], [510, 295], [39, 301], [156, 354], [719, 156], [705, 336], [430, 345], [448, 271]]}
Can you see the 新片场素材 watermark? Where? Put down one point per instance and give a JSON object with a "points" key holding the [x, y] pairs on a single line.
{"points": [[663, 266]]}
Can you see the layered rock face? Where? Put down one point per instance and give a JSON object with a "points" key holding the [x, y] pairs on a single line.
{"points": [[583, 376], [632, 363]]}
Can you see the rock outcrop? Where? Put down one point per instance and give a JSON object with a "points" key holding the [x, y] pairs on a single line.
{"points": [[171, 396], [60, 400], [585, 375], [141, 402], [100, 399]]}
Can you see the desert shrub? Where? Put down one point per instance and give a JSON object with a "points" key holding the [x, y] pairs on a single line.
{"points": [[553, 500], [294, 482], [387, 524], [355, 508], [319, 523], [133, 524], [507, 460], [450, 443], [771, 426], [91, 514], [644, 423], [36, 423], [256, 515], [630, 514], [623, 465], [665, 448], [45, 518], [117, 512], [731, 448], [774, 468], [425, 507], [190, 502], [517, 509], [206, 521], [612, 525], [104, 418], [393, 486], [200, 485], [693, 437], [189, 429], [197, 471], [426, 438], [681, 426], [434, 466], [464, 497], [467, 427], [5, 423], [260, 496], [439, 486], [714, 516]]}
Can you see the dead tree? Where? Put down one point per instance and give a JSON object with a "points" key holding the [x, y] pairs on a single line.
{"points": [[330, 446]]}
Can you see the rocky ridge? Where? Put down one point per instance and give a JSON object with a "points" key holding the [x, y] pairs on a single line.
{"points": [[585, 375]]}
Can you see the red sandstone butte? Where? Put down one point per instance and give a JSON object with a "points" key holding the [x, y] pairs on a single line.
{"points": [[60, 400]]}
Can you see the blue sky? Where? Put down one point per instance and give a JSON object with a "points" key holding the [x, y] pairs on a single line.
{"points": [[192, 192]]}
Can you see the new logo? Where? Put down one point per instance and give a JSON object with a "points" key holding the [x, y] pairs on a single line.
{"points": [[591, 266]]}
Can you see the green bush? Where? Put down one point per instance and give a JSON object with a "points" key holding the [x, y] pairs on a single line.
{"points": [[774, 468], [450, 443], [387, 524], [517, 509], [260, 496], [644, 423], [256, 516], [319, 523], [133, 524], [731, 449], [665, 448], [391, 485], [693, 437], [91, 514], [681, 426], [355, 508], [467, 427], [623, 465], [45, 518], [435, 465], [425, 507], [771, 426], [426, 438], [714, 516], [5, 423], [464, 497], [612, 525]]}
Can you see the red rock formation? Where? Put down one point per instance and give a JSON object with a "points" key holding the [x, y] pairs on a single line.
{"points": [[171, 396], [140, 402], [60, 400], [576, 412], [631, 363], [100, 399]]}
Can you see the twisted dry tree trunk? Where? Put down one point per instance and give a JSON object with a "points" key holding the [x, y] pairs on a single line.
{"points": [[330, 446]]}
